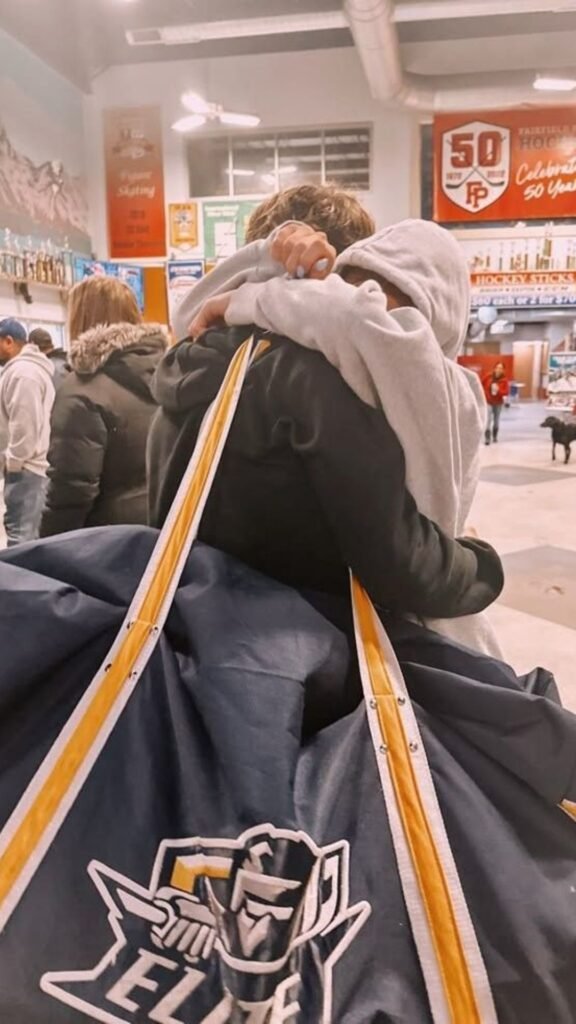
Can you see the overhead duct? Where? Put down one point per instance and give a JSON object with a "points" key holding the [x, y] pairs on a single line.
{"points": [[446, 10], [208, 31], [373, 27]]}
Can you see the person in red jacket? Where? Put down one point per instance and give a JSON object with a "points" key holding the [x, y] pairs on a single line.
{"points": [[496, 389]]}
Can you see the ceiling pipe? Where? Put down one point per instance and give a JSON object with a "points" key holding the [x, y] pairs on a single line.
{"points": [[445, 10], [207, 31], [374, 30]]}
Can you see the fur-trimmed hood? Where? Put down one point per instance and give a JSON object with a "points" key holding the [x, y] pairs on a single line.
{"points": [[92, 350]]}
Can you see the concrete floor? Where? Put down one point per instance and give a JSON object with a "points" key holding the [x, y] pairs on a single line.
{"points": [[525, 508]]}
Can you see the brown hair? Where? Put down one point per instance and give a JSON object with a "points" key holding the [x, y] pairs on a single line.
{"points": [[42, 339], [100, 300], [325, 207]]}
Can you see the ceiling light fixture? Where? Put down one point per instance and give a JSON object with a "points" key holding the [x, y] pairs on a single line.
{"points": [[545, 83], [243, 172], [239, 120], [188, 123], [202, 110], [288, 169], [195, 103]]}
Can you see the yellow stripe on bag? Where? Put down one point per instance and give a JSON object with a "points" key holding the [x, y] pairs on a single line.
{"points": [[29, 833], [569, 808], [434, 888]]}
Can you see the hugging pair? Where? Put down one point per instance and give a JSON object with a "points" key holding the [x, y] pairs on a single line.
{"points": [[386, 419]]}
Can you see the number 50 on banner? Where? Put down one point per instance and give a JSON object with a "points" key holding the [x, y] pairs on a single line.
{"points": [[475, 165]]}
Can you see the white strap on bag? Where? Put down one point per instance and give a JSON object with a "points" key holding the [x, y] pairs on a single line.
{"points": [[452, 965]]}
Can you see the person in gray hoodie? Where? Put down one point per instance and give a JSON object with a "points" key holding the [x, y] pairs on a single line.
{"points": [[26, 400]]}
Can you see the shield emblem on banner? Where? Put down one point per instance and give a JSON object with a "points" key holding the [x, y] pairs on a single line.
{"points": [[475, 165]]}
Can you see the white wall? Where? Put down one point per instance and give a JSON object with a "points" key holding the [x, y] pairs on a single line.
{"points": [[47, 303], [316, 89]]}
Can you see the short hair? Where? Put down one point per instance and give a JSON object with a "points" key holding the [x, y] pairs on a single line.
{"points": [[12, 328], [100, 300], [41, 338], [327, 208]]}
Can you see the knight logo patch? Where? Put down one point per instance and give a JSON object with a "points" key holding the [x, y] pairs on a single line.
{"points": [[245, 931], [475, 164]]}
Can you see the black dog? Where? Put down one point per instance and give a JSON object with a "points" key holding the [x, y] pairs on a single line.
{"points": [[562, 433]]}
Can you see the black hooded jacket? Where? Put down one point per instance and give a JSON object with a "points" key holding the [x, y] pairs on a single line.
{"points": [[100, 424], [312, 480]]}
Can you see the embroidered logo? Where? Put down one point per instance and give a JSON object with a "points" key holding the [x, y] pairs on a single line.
{"points": [[244, 931]]}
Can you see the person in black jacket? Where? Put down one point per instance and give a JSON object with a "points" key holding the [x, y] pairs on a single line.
{"points": [[57, 356], [311, 482], [102, 412]]}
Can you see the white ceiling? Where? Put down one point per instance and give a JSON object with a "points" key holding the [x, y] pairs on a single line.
{"points": [[533, 41], [446, 43]]}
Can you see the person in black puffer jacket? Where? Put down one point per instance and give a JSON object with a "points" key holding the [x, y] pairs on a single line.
{"points": [[102, 412]]}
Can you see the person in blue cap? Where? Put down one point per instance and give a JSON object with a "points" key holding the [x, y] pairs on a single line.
{"points": [[26, 400]]}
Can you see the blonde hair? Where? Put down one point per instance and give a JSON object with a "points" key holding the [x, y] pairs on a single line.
{"points": [[100, 300], [326, 208]]}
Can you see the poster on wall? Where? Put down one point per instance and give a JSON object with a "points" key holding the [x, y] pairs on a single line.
{"points": [[225, 224], [132, 276], [182, 275], [562, 381], [135, 182], [183, 225], [511, 271], [505, 165]]}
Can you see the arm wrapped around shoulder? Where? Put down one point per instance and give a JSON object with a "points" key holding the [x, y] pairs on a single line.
{"points": [[356, 466]]}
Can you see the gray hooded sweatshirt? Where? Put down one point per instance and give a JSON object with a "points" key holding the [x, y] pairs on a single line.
{"points": [[400, 360], [26, 400]]}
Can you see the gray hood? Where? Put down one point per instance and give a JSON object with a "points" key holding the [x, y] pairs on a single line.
{"points": [[427, 264], [30, 358]]}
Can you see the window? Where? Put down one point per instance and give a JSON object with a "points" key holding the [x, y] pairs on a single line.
{"points": [[263, 162], [299, 159], [253, 160], [347, 158], [209, 167]]}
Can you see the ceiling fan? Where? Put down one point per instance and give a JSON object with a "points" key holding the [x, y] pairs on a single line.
{"points": [[201, 111]]}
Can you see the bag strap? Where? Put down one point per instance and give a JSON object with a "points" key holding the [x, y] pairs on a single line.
{"points": [[450, 958], [39, 814], [454, 973]]}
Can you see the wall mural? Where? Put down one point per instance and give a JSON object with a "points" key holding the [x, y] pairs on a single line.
{"points": [[41, 199], [43, 194]]}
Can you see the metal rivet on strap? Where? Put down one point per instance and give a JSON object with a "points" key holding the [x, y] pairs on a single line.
{"points": [[413, 748], [373, 703], [401, 701], [383, 749], [155, 630], [133, 675], [108, 667]]}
